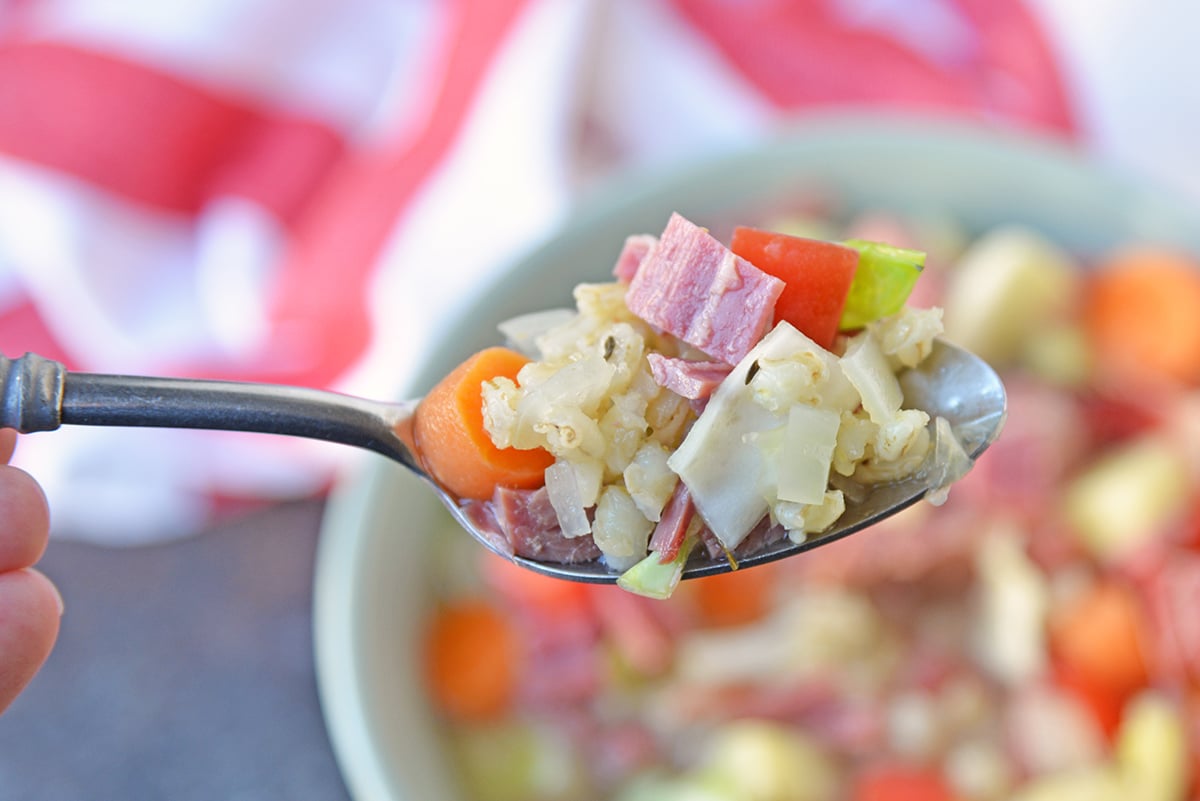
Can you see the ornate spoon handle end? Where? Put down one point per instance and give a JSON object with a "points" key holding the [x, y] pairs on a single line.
{"points": [[31, 393]]}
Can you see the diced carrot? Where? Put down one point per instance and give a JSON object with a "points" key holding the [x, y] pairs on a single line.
{"points": [[1098, 640], [816, 275], [452, 442], [1142, 312], [470, 660], [901, 783], [1103, 703], [732, 599]]}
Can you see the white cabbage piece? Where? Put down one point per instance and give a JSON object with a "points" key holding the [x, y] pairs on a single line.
{"points": [[730, 493], [805, 457]]}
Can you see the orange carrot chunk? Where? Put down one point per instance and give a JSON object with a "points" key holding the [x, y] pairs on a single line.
{"points": [[901, 783], [732, 599], [1098, 639], [452, 442], [1142, 312], [470, 660]]}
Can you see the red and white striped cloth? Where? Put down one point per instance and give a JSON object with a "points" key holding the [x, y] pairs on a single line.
{"points": [[272, 189]]}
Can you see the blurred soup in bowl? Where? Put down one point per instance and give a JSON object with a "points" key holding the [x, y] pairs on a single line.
{"points": [[1029, 639]]}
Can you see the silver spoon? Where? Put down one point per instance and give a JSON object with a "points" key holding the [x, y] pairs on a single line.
{"points": [[38, 394]]}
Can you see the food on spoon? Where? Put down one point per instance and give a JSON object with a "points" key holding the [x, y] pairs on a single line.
{"points": [[686, 404]]}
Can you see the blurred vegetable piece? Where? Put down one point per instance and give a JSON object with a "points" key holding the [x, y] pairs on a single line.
{"points": [[763, 761], [1099, 783], [882, 283], [1005, 288], [1101, 638], [732, 599], [470, 660], [526, 587], [902, 783], [817, 276], [1151, 750], [453, 443], [515, 761], [1127, 497], [1142, 312]]}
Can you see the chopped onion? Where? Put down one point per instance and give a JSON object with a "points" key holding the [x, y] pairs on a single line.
{"points": [[562, 486]]}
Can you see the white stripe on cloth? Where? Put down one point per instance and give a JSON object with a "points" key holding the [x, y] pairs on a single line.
{"points": [[129, 288], [626, 66], [503, 186], [330, 59]]}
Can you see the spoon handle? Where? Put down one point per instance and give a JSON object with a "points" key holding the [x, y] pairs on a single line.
{"points": [[38, 394]]}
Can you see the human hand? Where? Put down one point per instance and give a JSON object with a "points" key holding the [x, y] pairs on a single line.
{"points": [[30, 606]]}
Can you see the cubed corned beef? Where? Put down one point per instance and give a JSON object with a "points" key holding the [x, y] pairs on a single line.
{"points": [[531, 527], [672, 526], [695, 288], [689, 379]]}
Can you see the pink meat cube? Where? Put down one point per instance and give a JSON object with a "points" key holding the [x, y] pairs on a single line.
{"points": [[691, 380], [695, 288]]}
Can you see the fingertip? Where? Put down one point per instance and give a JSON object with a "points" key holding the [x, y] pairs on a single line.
{"points": [[30, 609], [25, 524], [8, 444]]}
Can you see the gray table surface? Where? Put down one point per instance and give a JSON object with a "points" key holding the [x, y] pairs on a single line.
{"points": [[183, 671]]}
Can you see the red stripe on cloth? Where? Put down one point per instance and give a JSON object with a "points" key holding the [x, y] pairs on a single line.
{"points": [[801, 53], [23, 330], [320, 314], [154, 138]]}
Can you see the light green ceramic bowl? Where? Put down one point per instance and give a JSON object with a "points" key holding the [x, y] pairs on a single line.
{"points": [[370, 593]]}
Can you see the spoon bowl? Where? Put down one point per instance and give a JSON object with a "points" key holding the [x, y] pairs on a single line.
{"points": [[38, 394]]}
